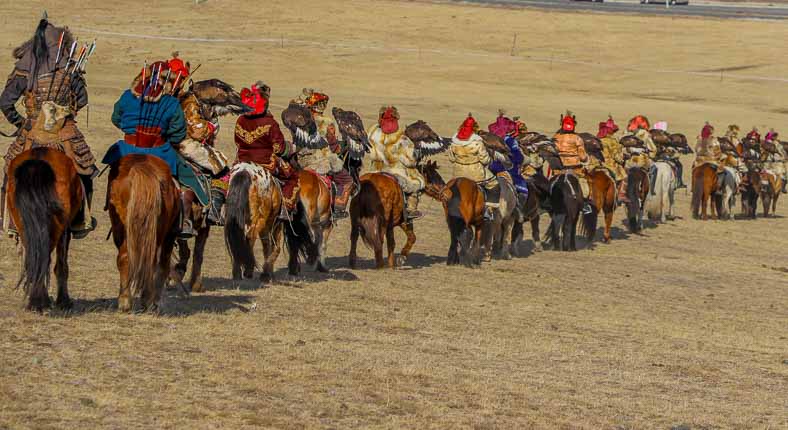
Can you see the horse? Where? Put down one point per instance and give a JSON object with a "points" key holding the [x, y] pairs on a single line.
{"points": [[44, 197], [308, 233], [725, 198], [566, 200], [378, 207], [538, 193], [253, 203], [749, 190], [464, 207], [771, 185], [178, 272], [603, 199], [637, 193], [704, 185], [659, 204], [144, 208]]}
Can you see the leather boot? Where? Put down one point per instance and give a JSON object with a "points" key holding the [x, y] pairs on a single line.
{"points": [[412, 206], [215, 216], [187, 230], [341, 201], [680, 175], [84, 223]]}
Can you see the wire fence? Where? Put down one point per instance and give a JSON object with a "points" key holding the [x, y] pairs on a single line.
{"points": [[282, 41]]}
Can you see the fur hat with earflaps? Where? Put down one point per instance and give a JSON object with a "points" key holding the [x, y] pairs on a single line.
{"points": [[256, 98]]}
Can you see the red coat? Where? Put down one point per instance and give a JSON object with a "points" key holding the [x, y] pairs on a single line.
{"points": [[259, 140]]}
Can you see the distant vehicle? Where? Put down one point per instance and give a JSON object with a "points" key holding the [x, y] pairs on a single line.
{"points": [[662, 2]]}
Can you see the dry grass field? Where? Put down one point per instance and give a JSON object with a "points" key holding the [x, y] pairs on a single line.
{"points": [[684, 325]]}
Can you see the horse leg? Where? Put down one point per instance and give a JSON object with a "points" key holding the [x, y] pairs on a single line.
{"points": [[270, 253], [555, 229], [476, 249], [125, 301], [323, 248], [535, 236], [195, 278], [505, 241], [178, 271], [354, 233], [154, 296], [390, 246], [608, 222], [379, 263], [63, 301], [410, 234]]}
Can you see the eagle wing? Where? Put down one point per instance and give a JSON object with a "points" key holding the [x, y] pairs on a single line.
{"points": [[353, 132], [220, 96], [426, 140], [298, 119], [593, 145]]}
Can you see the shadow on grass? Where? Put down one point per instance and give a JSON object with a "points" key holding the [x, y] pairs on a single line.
{"points": [[174, 304], [415, 261]]}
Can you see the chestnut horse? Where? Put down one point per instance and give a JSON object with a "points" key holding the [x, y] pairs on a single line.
{"points": [[307, 235], [144, 208], [704, 185], [377, 208], [603, 199], [44, 197], [771, 185], [253, 204], [464, 206]]}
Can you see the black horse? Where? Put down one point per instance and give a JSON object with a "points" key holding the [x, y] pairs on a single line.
{"points": [[566, 201], [538, 200]]}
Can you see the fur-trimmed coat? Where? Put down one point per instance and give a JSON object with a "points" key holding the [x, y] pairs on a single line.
{"points": [[394, 154], [470, 158]]}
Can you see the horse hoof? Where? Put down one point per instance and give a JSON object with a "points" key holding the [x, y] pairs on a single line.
{"points": [[606, 240], [65, 304], [321, 268], [197, 287], [172, 284], [266, 278], [39, 304], [401, 261]]}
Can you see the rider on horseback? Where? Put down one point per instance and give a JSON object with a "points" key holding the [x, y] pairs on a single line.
{"points": [[326, 161], [774, 157], [261, 142], [572, 152], [639, 127], [707, 149], [508, 130], [392, 152], [153, 122], [614, 156], [471, 159], [52, 96]]}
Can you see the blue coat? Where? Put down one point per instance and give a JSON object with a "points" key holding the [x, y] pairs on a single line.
{"points": [[517, 159], [166, 114]]}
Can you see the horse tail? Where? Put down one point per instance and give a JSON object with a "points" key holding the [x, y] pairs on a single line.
{"points": [[697, 191], [299, 236], [37, 204], [589, 223], [143, 212], [237, 217], [371, 215]]}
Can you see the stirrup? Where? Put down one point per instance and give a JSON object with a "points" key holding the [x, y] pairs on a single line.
{"points": [[82, 231], [187, 230], [587, 209]]}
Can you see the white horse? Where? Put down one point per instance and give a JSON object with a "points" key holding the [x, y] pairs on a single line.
{"points": [[659, 204], [726, 199]]}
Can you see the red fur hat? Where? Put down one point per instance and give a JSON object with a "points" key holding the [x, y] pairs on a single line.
{"points": [[568, 122], [256, 98], [468, 127], [388, 119]]}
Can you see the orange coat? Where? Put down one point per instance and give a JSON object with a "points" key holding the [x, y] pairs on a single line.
{"points": [[571, 150]]}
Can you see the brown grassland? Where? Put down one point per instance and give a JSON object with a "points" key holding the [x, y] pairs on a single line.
{"points": [[686, 324]]}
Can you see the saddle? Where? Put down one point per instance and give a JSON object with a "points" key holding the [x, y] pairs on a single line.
{"points": [[492, 194]]}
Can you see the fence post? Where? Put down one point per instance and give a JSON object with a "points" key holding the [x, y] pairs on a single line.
{"points": [[514, 44]]}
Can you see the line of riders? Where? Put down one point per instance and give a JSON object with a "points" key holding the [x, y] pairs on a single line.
{"points": [[166, 114]]}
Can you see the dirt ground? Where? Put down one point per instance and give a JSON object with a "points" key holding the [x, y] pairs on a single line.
{"points": [[684, 325]]}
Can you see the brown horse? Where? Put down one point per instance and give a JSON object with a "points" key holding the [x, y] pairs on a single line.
{"points": [[308, 233], [638, 188], [253, 204], [144, 208], [44, 197], [704, 185], [771, 186], [603, 199], [203, 229], [463, 204], [374, 212]]}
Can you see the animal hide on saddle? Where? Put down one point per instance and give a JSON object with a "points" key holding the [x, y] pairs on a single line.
{"points": [[426, 141], [631, 141], [205, 157], [592, 145], [298, 119], [353, 132]]}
